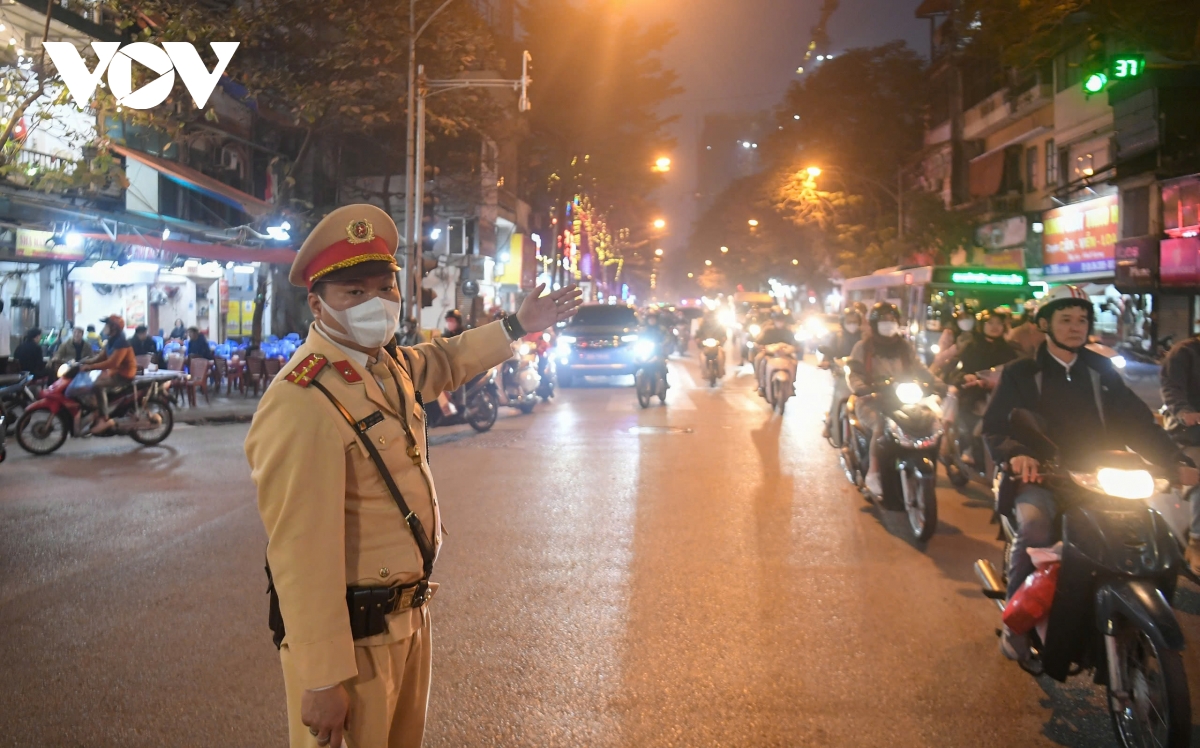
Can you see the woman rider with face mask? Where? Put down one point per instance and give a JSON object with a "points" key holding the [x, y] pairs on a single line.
{"points": [[841, 346], [884, 355]]}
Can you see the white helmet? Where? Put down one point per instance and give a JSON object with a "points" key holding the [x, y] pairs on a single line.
{"points": [[1063, 296]]}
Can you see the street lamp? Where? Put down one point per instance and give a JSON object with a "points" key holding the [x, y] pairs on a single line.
{"points": [[658, 253], [663, 164], [660, 224], [724, 250], [795, 262], [753, 222], [897, 194], [691, 275], [708, 262]]}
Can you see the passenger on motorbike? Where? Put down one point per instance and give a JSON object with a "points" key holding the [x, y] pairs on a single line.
{"points": [[884, 355], [988, 349], [117, 365], [454, 324], [1181, 393], [653, 331], [1087, 408], [840, 346]]}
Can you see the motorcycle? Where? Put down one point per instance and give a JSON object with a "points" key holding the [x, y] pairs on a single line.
{"points": [[833, 419], [779, 375], [477, 405], [547, 371], [139, 410], [16, 394], [746, 344], [908, 450], [957, 444], [519, 381], [650, 379], [714, 368], [1110, 612]]}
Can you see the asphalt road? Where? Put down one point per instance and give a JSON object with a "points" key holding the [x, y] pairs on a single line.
{"points": [[699, 574]]}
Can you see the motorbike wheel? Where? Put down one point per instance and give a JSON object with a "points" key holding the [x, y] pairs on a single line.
{"points": [[645, 387], [166, 422], [920, 503], [849, 459], [1157, 710], [12, 415], [40, 432], [662, 389], [482, 410], [835, 437]]}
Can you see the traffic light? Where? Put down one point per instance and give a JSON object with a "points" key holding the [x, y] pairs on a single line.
{"points": [[1094, 83]]}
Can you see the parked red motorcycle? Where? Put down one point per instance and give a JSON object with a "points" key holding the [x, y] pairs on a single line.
{"points": [[140, 411]]}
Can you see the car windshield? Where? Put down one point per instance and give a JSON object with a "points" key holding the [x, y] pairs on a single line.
{"points": [[605, 316]]}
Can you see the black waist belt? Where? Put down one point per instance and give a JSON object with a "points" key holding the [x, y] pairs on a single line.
{"points": [[369, 606]]}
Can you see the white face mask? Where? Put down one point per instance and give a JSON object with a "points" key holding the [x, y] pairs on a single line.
{"points": [[370, 324], [887, 328], [851, 327], [966, 324]]}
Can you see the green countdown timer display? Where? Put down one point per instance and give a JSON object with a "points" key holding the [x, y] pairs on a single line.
{"points": [[1127, 66]]}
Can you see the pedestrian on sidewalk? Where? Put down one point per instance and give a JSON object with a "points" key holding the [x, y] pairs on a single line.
{"points": [[336, 451]]}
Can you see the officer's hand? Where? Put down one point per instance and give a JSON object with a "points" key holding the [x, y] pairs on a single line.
{"points": [[1025, 468], [538, 312], [324, 714], [1190, 419]]}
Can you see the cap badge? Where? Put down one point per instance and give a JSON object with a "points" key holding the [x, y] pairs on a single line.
{"points": [[360, 231]]}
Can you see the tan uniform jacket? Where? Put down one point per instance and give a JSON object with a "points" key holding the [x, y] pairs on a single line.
{"points": [[329, 518]]}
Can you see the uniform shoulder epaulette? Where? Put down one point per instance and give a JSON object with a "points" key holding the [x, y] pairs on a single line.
{"points": [[307, 369], [347, 371]]}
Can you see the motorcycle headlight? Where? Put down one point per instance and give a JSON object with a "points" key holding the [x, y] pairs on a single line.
{"points": [[546, 337], [1126, 484], [710, 342], [755, 330], [566, 339], [725, 317], [1118, 361], [525, 349], [815, 326], [644, 349], [675, 330], [909, 393], [935, 348], [62, 370], [802, 335], [629, 338]]}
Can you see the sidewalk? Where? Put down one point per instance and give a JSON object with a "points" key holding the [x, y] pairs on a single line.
{"points": [[222, 409]]}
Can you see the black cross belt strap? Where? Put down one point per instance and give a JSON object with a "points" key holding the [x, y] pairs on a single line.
{"points": [[414, 522]]}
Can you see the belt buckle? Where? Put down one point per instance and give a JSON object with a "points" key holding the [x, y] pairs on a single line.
{"points": [[420, 593]]}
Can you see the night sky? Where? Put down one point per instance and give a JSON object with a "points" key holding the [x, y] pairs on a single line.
{"points": [[740, 55]]}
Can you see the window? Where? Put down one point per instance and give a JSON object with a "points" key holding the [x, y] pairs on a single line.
{"points": [[1051, 164], [1031, 163], [605, 316]]}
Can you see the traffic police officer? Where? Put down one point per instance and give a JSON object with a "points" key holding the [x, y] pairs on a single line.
{"points": [[337, 452]]}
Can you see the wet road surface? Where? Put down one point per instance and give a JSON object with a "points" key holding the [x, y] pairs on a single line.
{"points": [[699, 574]]}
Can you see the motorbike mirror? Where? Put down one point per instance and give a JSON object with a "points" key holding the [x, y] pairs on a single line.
{"points": [[1030, 429]]}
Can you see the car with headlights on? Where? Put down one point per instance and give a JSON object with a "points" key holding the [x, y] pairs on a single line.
{"points": [[600, 340]]}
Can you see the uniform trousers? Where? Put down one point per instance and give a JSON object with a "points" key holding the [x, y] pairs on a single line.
{"points": [[388, 697]]}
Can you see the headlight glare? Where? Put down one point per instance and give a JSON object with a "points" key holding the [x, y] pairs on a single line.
{"points": [[62, 370], [755, 330], [710, 342], [909, 393], [644, 349], [629, 338], [1126, 484]]}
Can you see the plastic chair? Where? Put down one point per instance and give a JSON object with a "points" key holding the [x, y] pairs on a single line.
{"points": [[175, 361], [271, 367], [233, 374], [198, 368], [158, 341], [255, 374], [292, 336]]}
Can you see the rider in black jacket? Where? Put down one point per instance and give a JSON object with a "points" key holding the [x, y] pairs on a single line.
{"points": [[1086, 407]]}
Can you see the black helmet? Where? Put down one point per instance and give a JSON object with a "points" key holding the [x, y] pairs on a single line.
{"points": [[778, 315], [455, 315], [852, 311], [880, 309]]}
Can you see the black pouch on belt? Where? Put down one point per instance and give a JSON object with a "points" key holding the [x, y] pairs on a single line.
{"points": [[368, 607]]}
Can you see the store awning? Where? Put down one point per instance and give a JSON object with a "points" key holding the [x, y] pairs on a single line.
{"points": [[985, 174], [191, 179], [204, 251]]}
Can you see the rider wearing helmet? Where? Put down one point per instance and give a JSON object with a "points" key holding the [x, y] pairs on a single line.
{"points": [[1085, 408], [454, 324], [840, 346], [884, 355], [711, 327], [116, 364], [776, 332], [1025, 335], [988, 349]]}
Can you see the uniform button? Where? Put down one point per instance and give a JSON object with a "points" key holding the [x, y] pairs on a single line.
{"points": [[383, 572], [381, 440]]}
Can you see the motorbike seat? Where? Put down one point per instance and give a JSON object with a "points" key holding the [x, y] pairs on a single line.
{"points": [[7, 380]]}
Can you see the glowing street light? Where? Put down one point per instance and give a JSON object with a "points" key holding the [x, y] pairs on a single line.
{"points": [[724, 250], [691, 275], [708, 262], [660, 223], [662, 164], [795, 262], [813, 171], [753, 222], [658, 252]]}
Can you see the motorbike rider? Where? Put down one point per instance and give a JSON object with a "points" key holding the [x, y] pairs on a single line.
{"points": [[117, 365], [453, 324], [653, 331], [776, 332], [840, 346], [408, 334], [1086, 407], [711, 327], [1181, 393], [1025, 335], [884, 355], [989, 348]]}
